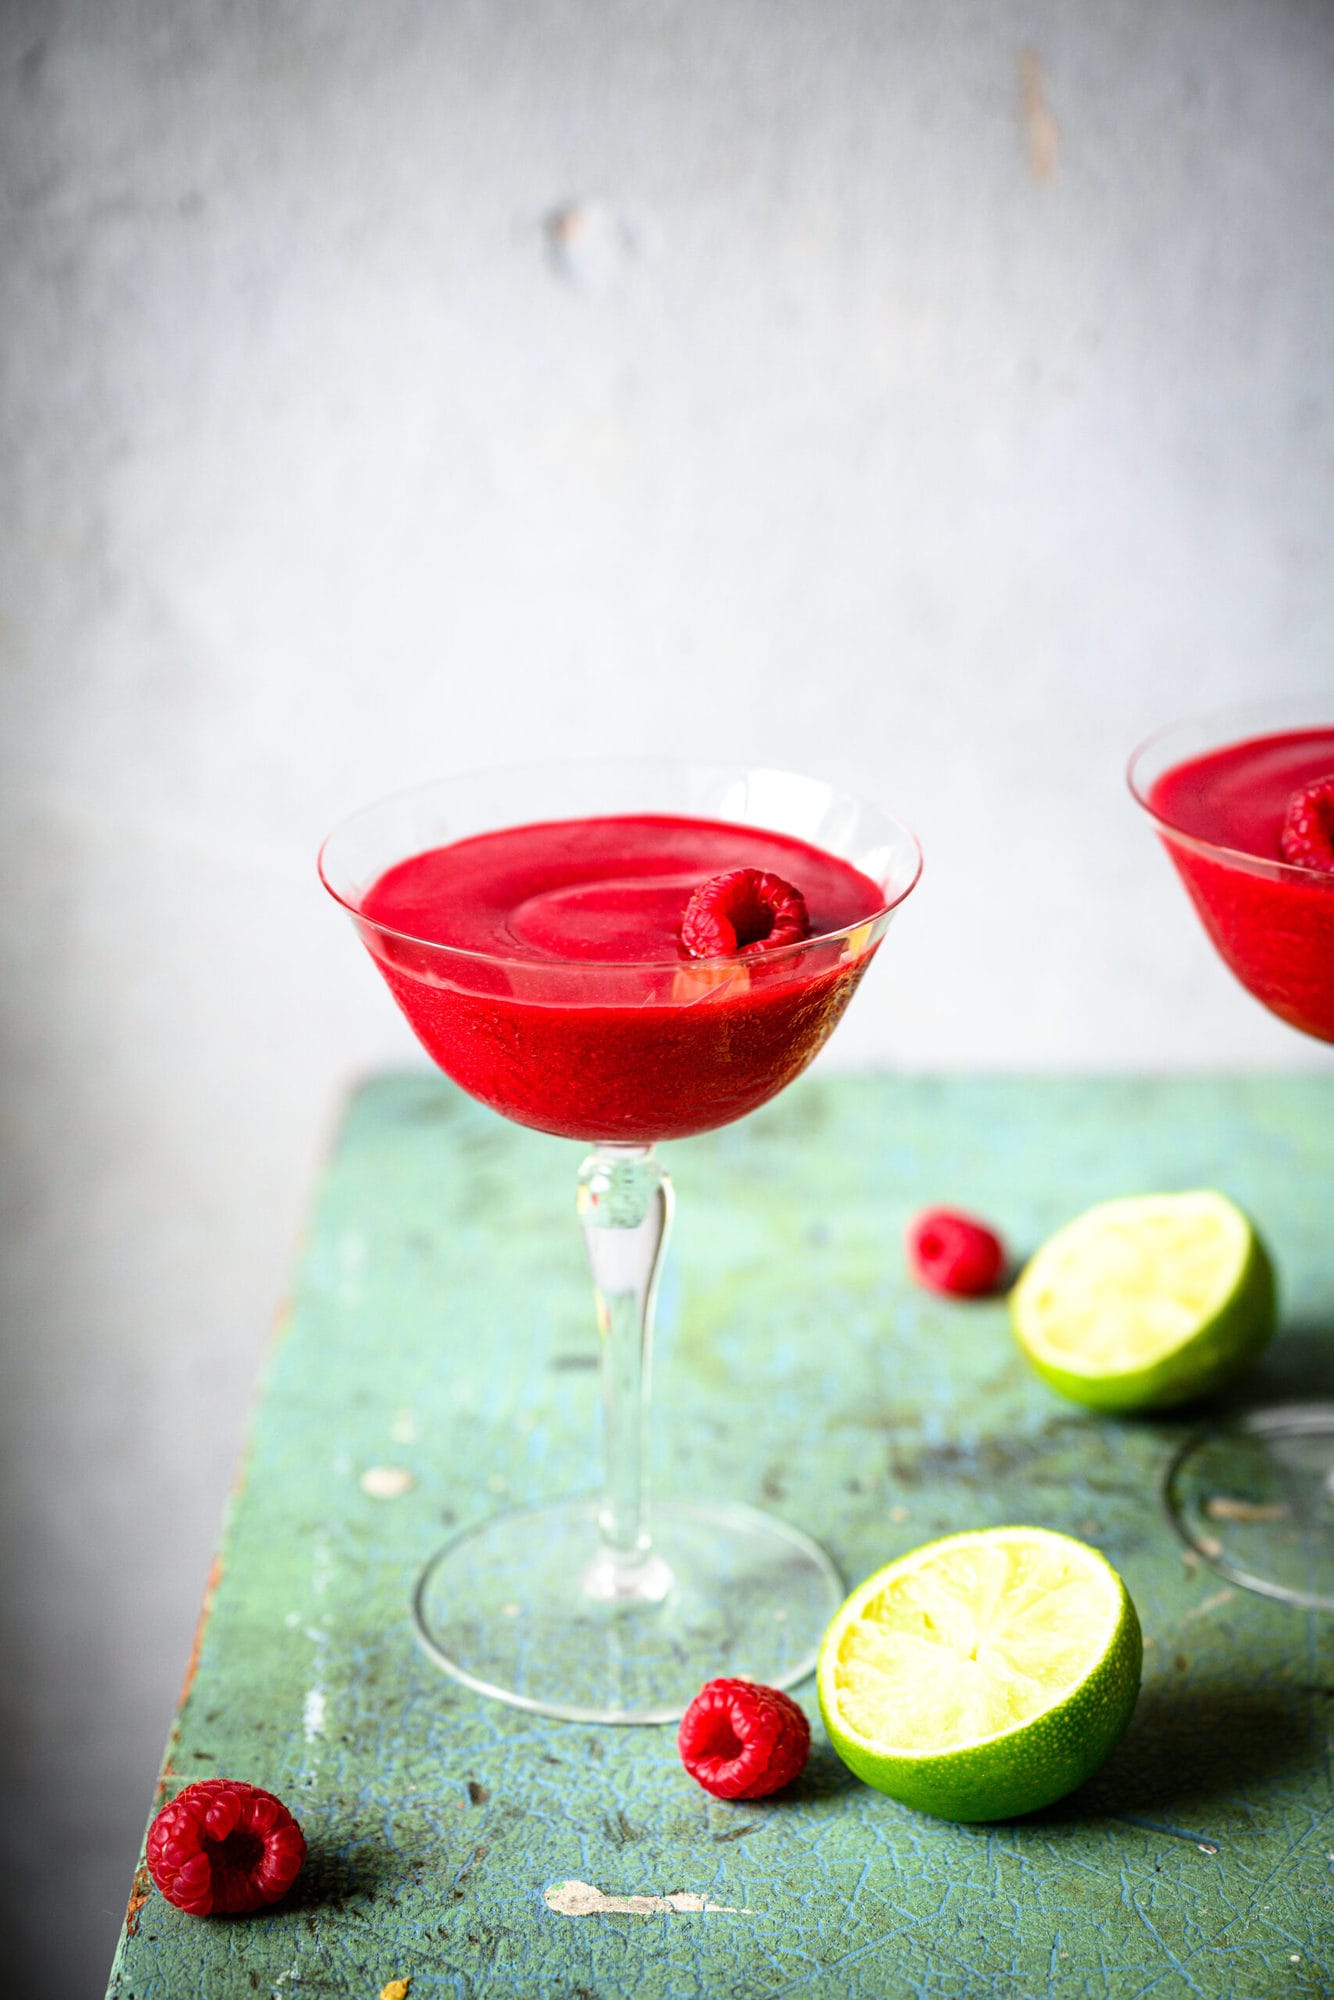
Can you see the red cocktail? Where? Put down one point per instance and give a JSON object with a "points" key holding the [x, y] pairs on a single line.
{"points": [[622, 955], [1244, 805], [1221, 814], [574, 1009]]}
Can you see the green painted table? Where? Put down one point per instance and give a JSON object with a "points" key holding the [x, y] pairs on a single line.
{"points": [[437, 1362]]}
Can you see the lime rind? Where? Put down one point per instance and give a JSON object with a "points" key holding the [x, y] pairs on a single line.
{"points": [[1147, 1301], [1062, 1697]]}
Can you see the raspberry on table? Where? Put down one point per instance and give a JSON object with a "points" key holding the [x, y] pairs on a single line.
{"points": [[222, 1848], [950, 1252], [741, 1740], [1307, 837], [747, 910]]}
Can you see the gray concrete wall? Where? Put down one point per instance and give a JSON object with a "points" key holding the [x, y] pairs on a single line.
{"points": [[937, 396]]}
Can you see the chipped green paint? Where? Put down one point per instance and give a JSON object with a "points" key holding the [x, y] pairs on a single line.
{"points": [[437, 1363]]}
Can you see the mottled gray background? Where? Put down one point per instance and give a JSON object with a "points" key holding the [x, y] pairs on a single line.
{"points": [[936, 396]]}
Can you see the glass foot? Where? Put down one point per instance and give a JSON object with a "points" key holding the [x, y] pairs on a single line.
{"points": [[1255, 1499], [523, 1609]]}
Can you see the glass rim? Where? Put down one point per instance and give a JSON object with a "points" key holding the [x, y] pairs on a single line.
{"points": [[780, 955], [1237, 713]]}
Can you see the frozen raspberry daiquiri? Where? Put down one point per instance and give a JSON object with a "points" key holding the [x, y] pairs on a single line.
{"points": [[1250, 826], [621, 955], [588, 1013], [1244, 805]]}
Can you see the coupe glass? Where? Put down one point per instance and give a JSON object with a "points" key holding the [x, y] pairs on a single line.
{"points": [[1255, 1496], [596, 1609]]}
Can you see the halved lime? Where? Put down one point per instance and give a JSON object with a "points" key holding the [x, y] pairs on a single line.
{"points": [[1148, 1301], [982, 1676]]}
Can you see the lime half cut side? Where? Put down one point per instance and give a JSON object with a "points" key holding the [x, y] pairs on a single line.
{"points": [[1148, 1301], [982, 1676]]}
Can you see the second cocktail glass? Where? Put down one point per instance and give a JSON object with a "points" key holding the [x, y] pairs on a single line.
{"points": [[1255, 1495], [600, 1609]]}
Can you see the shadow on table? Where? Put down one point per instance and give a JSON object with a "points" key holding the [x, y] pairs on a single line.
{"points": [[1298, 1365], [1194, 1748], [825, 1777], [334, 1879]]}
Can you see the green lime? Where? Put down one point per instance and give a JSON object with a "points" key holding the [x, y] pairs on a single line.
{"points": [[984, 1675], [1141, 1303]]}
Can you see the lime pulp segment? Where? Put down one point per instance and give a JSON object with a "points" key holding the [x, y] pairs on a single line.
{"points": [[977, 1637], [1132, 1280]]}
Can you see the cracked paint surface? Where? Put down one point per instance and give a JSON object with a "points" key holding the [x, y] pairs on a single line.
{"points": [[799, 1370]]}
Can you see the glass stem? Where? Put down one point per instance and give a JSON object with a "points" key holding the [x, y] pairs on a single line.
{"points": [[625, 1209]]}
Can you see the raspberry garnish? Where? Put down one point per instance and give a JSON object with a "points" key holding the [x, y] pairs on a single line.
{"points": [[747, 910], [222, 1848], [1307, 839], [949, 1252], [741, 1740]]}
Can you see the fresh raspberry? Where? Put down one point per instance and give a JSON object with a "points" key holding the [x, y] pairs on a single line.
{"points": [[1307, 839], [949, 1252], [741, 1740], [745, 911], [222, 1848]]}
